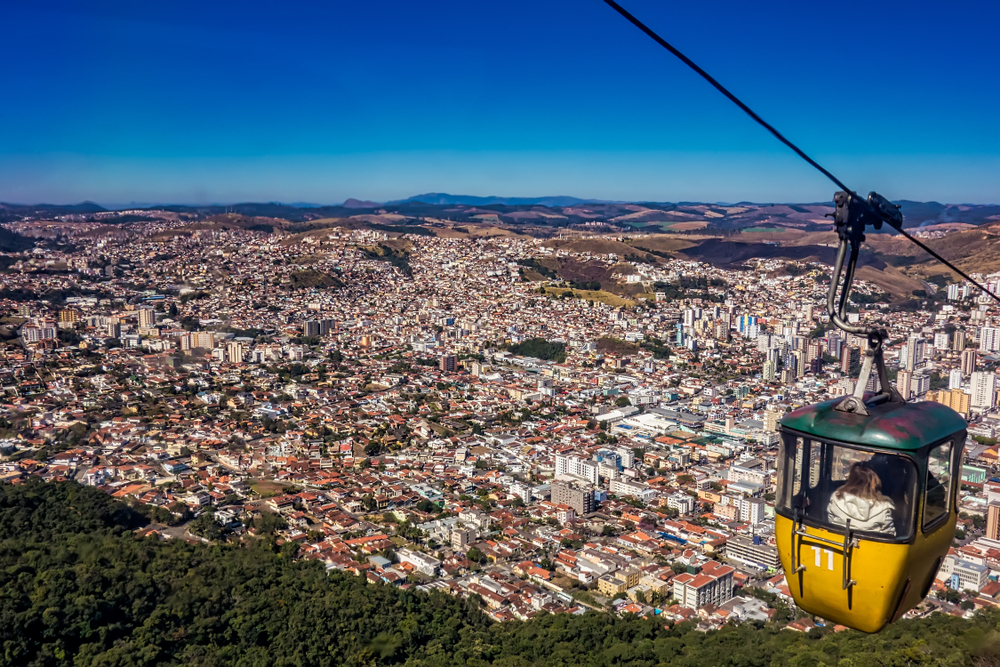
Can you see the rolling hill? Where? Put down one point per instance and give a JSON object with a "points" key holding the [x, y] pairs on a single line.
{"points": [[721, 234]]}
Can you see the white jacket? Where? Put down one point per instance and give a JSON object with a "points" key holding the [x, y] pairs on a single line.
{"points": [[874, 516]]}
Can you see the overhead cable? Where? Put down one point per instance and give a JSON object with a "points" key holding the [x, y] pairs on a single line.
{"points": [[770, 128]]}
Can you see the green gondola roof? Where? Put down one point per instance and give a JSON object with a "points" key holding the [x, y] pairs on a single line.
{"points": [[906, 427]]}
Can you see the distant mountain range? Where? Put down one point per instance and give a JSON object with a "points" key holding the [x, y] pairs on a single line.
{"points": [[444, 199], [533, 214]]}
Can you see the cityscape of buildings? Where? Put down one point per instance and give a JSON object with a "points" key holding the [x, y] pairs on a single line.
{"points": [[372, 397]]}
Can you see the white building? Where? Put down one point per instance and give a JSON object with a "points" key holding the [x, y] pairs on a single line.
{"points": [[522, 491], [983, 385], [632, 489], [989, 339], [742, 474], [423, 563], [681, 502], [627, 456], [955, 379], [920, 384], [752, 510], [962, 575], [577, 467]]}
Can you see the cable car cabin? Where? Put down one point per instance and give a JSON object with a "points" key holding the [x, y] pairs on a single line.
{"points": [[866, 506]]}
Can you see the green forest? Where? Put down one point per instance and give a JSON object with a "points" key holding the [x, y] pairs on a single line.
{"points": [[79, 587]]}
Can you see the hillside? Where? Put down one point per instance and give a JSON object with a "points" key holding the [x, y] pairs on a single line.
{"points": [[309, 278], [78, 587], [600, 246]]}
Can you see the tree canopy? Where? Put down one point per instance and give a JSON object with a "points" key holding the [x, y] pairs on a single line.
{"points": [[540, 348], [79, 587]]}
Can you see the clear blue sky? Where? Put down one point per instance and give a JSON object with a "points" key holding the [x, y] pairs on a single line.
{"points": [[210, 101]]}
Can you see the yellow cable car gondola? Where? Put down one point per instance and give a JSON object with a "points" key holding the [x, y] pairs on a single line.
{"points": [[866, 504]]}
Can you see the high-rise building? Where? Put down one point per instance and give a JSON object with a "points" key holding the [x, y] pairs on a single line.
{"points": [[920, 384], [989, 339], [114, 328], [968, 362], [312, 329], [234, 351], [31, 334], [958, 341], [770, 369], [904, 382], [814, 350], [578, 497], [752, 510], [800, 362], [942, 341], [956, 399], [983, 385], [202, 339], [954, 291], [771, 419], [914, 352], [955, 379], [850, 360], [68, 316], [993, 521], [745, 322], [834, 344], [147, 318], [449, 362]]}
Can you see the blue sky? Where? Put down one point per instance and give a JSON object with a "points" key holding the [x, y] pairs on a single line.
{"points": [[193, 102]]}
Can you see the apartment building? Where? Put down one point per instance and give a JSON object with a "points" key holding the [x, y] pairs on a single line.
{"points": [[713, 585]]}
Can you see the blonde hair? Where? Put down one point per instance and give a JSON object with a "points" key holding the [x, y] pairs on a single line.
{"points": [[862, 482]]}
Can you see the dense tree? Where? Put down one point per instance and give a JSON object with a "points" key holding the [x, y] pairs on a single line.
{"points": [[78, 587], [426, 506], [540, 348]]}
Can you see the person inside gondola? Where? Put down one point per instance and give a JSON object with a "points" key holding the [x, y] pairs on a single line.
{"points": [[860, 499], [897, 485]]}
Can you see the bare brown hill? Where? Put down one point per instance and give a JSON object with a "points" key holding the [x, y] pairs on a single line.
{"points": [[231, 221], [974, 251], [664, 243], [871, 266], [583, 272], [601, 246]]}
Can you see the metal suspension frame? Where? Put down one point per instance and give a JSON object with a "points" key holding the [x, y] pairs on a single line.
{"points": [[852, 215]]}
